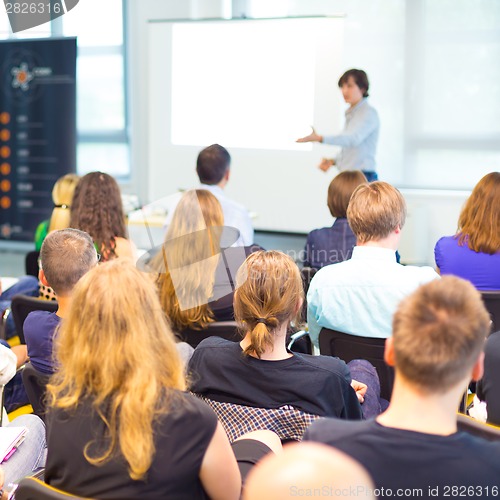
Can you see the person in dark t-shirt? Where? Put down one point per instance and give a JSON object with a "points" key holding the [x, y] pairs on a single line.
{"points": [[414, 447], [66, 255], [259, 371]]}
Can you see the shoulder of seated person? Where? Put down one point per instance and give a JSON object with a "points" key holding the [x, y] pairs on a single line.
{"points": [[215, 342], [37, 315], [329, 430], [329, 363]]}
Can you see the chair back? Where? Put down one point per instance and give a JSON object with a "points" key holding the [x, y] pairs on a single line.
{"points": [[35, 383], [31, 263], [492, 303], [226, 329], [476, 428], [22, 305], [287, 422], [307, 274], [348, 347], [31, 488]]}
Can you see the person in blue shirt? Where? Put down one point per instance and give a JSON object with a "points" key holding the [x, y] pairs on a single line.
{"points": [[359, 138]]}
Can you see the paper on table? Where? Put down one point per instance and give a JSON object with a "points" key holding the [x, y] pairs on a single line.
{"points": [[7, 282]]}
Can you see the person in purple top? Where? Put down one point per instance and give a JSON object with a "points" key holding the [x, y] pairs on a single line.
{"points": [[66, 255], [330, 245], [474, 252]]}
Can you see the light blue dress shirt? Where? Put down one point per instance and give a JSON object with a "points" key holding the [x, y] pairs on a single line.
{"points": [[359, 296], [359, 138]]}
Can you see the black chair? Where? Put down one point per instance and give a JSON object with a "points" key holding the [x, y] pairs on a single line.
{"points": [[300, 342], [476, 428], [31, 488], [35, 383], [22, 305], [226, 329], [307, 274], [492, 303], [349, 347], [31, 263]]}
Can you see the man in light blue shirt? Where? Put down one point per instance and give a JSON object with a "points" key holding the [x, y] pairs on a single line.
{"points": [[360, 295], [359, 138]]}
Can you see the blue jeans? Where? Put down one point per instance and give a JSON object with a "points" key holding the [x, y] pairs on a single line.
{"points": [[364, 372], [31, 454], [27, 285]]}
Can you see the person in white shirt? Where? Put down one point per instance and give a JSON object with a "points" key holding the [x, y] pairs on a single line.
{"points": [[359, 296], [213, 169]]}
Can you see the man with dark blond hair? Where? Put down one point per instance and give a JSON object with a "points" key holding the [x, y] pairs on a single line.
{"points": [[359, 296], [436, 349]]}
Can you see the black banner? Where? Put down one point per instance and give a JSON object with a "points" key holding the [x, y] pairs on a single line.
{"points": [[37, 129]]}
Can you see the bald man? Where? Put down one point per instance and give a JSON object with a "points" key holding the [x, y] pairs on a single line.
{"points": [[308, 469]]}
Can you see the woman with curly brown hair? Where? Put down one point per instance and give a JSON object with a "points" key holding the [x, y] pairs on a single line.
{"points": [[97, 209], [474, 252]]}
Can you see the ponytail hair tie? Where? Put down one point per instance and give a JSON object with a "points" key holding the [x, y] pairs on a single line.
{"points": [[61, 206], [261, 320]]}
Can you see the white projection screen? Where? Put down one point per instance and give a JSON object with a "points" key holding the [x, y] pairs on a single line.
{"points": [[253, 86]]}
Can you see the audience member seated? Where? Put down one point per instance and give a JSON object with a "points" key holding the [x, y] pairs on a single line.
{"points": [[330, 245], [62, 196], [97, 209], [436, 349], [259, 371], [359, 296], [14, 394], [195, 281], [474, 252], [308, 470], [66, 255], [119, 422], [29, 456], [213, 169], [488, 388]]}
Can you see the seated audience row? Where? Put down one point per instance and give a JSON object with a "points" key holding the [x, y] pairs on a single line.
{"points": [[120, 424], [436, 349]]}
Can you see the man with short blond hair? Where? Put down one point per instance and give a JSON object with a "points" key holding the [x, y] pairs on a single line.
{"points": [[436, 349], [359, 296]]}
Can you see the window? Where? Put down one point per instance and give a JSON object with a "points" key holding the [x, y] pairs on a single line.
{"points": [[101, 108], [101, 95]]}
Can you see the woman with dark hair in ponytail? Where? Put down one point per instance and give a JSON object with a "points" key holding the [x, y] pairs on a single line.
{"points": [[260, 371]]}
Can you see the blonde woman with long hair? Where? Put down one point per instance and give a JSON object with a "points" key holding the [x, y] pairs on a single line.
{"points": [[194, 277], [62, 196], [474, 252], [260, 371], [120, 423], [188, 260]]}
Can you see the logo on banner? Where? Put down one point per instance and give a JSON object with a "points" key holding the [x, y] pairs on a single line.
{"points": [[22, 72], [24, 14]]}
